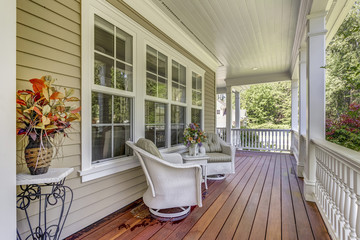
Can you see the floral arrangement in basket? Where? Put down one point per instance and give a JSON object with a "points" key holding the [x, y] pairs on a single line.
{"points": [[43, 113], [194, 135]]}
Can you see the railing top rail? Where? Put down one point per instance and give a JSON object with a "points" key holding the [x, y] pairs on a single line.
{"points": [[348, 156], [255, 129]]}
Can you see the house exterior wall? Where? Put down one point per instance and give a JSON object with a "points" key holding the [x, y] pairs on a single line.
{"points": [[49, 42]]}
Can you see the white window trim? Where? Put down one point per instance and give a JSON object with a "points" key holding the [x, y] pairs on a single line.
{"points": [[141, 38]]}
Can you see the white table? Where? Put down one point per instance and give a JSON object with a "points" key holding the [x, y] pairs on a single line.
{"points": [[198, 159]]}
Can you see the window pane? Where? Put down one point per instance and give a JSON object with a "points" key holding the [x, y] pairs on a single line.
{"points": [[194, 97], [101, 108], [103, 71], [101, 143], [151, 85], [121, 135], [162, 87], [182, 75], [198, 99], [199, 83], [104, 36], [196, 116], [124, 77], [193, 80], [178, 93], [151, 59], [122, 110], [155, 123], [175, 71], [123, 46], [162, 65], [177, 124]]}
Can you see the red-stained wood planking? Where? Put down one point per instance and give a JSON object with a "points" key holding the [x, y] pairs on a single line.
{"points": [[288, 226], [273, 230], [261, 200]]}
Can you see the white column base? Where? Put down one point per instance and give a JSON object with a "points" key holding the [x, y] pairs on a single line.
{"points": [[309, 190], [300, 171]]}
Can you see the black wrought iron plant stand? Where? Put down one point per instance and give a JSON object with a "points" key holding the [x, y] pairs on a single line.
{"points": [[48, 195]]}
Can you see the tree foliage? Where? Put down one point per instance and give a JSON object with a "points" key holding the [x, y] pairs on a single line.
{"points": [[343, 83], [268, 104], [343, 66]]}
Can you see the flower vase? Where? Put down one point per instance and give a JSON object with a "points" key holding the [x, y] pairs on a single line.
{"points": [[38, 155], [193, 149]]}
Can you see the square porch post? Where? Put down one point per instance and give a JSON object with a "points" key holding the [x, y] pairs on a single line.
{"points": [[228, 114], [315, 97], [294, 116], [237, 109], [302, 111]]}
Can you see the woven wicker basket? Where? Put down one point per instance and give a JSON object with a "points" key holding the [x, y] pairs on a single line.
{"points": [[38, 157]]}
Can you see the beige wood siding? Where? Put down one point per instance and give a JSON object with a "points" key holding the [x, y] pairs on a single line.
{"points": [[48, 42]]}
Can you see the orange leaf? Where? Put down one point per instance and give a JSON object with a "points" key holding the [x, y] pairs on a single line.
{"points": [[38, 84], [76, 110], [20, 102], [37, 111], [57, 95]]}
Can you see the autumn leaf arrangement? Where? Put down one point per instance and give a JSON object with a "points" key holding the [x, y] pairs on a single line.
{"points": [[45, 112]]}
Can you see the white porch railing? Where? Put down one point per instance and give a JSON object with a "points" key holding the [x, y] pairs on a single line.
{"points": [[259, 139], [337, 188], [262, 139]]}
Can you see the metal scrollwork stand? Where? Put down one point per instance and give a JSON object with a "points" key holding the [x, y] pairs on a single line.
{"points": [[49, 196]]}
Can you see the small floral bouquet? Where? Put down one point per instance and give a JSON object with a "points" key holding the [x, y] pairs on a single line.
{"points": [[43, 112], [194, 135]]}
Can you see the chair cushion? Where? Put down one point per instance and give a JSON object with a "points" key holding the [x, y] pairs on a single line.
{"points": [[213, 143], [218, 157], [149, 146]]}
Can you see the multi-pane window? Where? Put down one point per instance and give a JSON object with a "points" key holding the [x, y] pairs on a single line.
{"points": [[155, 123], [196, 116], [178, 119], [113, 73], [113, 56], [111, 125], [178, 82], [156, 73], [196, 89]]}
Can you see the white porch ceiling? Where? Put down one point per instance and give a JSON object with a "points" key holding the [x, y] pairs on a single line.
{"points": [[240, 34]]}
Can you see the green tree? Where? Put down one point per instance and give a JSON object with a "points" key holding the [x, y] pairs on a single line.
{"points": [[343, 66], [268, 103]]}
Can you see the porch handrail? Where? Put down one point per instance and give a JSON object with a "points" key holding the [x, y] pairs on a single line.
{"points": [[337, 188], [259, 139]]}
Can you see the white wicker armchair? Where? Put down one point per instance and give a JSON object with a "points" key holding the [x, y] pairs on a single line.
{"points": [[170, 185]]}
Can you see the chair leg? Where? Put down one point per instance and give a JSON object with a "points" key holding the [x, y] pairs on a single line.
{"points": [[170, 216], [216, 177]]}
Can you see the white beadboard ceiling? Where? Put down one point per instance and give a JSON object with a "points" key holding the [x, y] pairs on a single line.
{"points": [[240, 34]]}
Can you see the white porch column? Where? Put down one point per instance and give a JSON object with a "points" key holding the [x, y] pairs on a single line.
{"points": [[315, 97], [237, 109], [228, 114], [302, 111], [294, 114], [8, 120]]}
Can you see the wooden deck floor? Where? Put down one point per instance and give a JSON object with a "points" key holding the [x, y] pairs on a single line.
{"points": [[262, 200]]}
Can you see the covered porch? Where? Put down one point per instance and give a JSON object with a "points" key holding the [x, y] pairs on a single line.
{"points": [[262, 200]]}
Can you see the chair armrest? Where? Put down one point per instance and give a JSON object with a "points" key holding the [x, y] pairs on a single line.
{"points": [[173, 158]]}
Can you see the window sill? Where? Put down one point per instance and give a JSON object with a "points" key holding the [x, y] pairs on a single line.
{"points": [[103, 169]]}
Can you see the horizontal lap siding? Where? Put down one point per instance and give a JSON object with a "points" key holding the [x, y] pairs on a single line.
{"points": [[49, 43]]}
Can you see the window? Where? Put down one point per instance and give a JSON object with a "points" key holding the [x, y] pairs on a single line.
{"points": [[111, 114], [178, 119], [156, 73], [111, 128], [196, 116], [155, 123], [196, 89], [178, 82], [113, 56]]}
